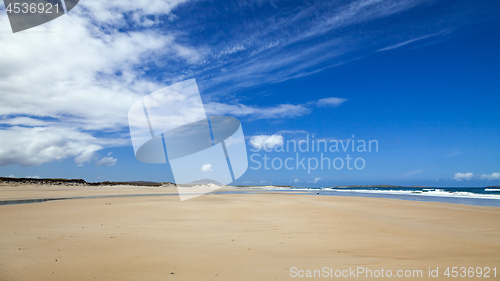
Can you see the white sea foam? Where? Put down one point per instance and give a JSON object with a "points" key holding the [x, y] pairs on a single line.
{"points": [[436, 192]]}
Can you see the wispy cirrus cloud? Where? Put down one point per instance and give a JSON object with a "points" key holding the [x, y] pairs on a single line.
{"points": [[331, 101], [283, 132], [414, 40], [271, 112], [297, 40], [258, 112]]}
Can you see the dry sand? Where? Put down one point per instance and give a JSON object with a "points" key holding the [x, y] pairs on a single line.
{"points": [[235, 236]]}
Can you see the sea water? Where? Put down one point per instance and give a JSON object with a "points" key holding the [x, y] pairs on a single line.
{"points": [[481, 196]]}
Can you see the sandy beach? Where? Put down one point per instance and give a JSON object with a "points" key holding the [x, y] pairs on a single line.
{"points": [[271, 236]]}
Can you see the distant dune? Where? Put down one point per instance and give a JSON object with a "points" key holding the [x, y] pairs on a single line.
{"points": [[77, 182]]}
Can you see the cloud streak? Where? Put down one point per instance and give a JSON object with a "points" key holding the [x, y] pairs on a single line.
{"points": [[402, 44], [271, 112], [463, 176], [492, 176], [470, 176]]}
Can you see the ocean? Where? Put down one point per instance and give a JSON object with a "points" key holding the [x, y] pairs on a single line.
{"points": [[480, 196]]}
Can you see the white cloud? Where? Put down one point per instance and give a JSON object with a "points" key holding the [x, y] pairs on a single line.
{"points": [[492, 176], [112, 11], [207, 168], [23, 121], [316, 180], [296, 180], [65, 75], [271, 112], [398, 45], [35, 146], [106, 161], [63, 82], [82, 72], [256, 112], [469, 176], [267, 142], [234, 49], [282, 132], [333, 101], [463, 176]]}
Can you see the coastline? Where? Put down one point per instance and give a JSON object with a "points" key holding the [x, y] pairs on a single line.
{"points": [[42, 190]]}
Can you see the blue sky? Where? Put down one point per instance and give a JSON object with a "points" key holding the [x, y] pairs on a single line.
{"points": [[420, 77]]}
